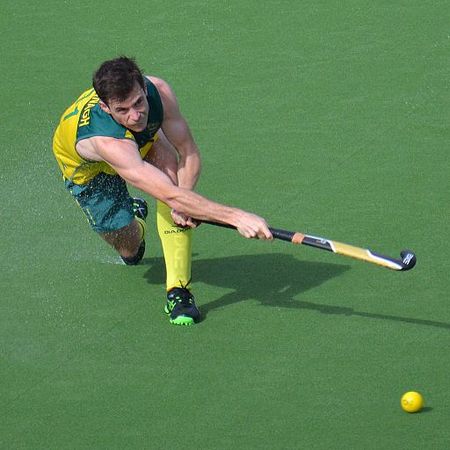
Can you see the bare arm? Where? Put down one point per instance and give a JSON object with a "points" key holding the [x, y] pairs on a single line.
{"points": [[178, 133], [124, 157]]}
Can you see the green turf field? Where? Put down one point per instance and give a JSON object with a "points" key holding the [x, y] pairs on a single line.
{"points": [[328, 117]]}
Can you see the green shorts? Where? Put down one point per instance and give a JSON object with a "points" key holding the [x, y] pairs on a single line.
{"points": [[105, 201]]}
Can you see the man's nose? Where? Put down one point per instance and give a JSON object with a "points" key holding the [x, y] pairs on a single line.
{"points": [[134, 114]]}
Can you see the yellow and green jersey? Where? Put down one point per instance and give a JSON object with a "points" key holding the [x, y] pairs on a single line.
{"points": [[85, 119]]}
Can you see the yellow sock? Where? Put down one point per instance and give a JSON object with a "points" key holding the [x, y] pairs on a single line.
{"points": [[143, 226], [176, 244]]}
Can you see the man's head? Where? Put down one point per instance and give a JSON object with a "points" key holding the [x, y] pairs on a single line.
{"points": [[120, 85]]}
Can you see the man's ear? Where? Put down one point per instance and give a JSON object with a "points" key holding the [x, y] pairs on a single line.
{"points": [[104, 107]]}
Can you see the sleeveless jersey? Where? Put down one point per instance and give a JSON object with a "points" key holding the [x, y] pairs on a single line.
{"points": [[85, 119]]}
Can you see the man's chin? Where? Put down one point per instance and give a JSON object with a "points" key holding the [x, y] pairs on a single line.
{"points": [[137, 128]]}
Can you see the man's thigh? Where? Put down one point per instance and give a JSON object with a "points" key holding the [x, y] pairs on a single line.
{"points": [[105, 201]]}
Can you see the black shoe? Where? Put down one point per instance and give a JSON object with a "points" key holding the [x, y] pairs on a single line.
{"points": [[140, 211], [140, 208], [181, 307]]}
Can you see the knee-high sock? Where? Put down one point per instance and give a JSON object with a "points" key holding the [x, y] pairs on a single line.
{"points": [[143, 227], [177, 247]]}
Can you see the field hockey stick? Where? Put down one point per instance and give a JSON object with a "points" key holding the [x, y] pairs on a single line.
{"points": [[407, 261]]}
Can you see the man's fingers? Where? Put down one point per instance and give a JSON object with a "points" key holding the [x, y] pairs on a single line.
{"points": [[193, 223], [267, 234], [256, 233], [183, 221]]}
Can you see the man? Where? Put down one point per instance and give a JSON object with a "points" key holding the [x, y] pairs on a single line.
{"points": [[128, 129]]}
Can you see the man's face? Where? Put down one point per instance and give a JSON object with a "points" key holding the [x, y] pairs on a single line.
{"points": [[132, 113]]}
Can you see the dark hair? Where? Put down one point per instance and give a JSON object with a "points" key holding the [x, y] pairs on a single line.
{"points": [[115, 79]]}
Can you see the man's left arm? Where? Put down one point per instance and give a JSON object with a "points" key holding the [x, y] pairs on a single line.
{"points": [[189, 164], [179, 135]]}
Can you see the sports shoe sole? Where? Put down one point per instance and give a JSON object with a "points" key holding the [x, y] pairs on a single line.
{"points": [[180, 320]]}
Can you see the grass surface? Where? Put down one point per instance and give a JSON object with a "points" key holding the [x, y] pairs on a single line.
{"points": [[326, 117]]}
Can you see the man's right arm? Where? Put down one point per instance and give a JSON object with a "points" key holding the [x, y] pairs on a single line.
{"points": [[124, 157]]}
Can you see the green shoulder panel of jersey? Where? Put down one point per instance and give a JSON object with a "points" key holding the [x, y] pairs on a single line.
{"points": [[94, 121]]}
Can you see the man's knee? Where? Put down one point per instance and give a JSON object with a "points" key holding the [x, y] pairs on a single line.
{"points": [[133, 260]]}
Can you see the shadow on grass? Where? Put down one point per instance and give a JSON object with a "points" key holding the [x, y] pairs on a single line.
{"points": [[426, 409], [272, 279]]}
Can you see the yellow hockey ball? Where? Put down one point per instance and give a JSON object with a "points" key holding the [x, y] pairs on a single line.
{"points": [[412, 402]]}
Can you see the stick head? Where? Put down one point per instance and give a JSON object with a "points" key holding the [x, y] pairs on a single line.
{"points": [[408, 259]]}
